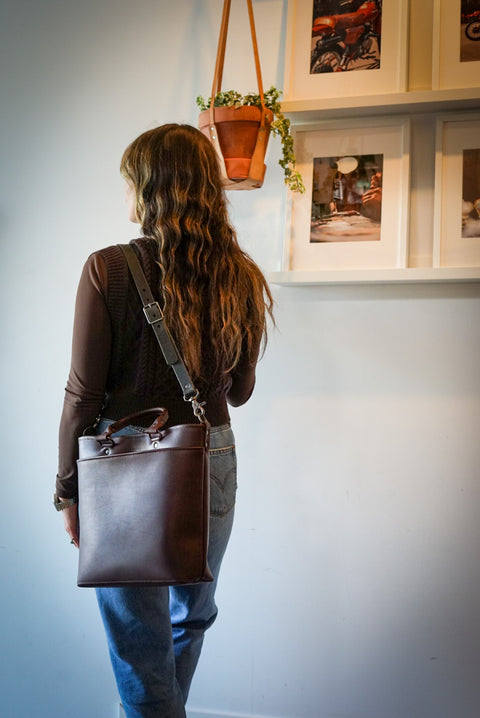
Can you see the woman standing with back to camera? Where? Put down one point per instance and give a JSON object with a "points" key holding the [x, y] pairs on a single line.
{"points": [[215, 301]]}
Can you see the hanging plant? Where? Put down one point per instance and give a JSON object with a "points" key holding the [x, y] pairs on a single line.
{"points": [[279, 127]]}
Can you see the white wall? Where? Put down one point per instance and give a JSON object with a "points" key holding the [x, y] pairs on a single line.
{"points": [[352, 584]]}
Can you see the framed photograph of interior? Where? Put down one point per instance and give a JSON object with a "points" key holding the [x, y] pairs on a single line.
{"points": [[354, 212], [456, 44], [457, 192], [344, 48]]}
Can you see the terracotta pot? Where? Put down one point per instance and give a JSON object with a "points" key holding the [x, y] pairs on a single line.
{"points": [[237, 130]]}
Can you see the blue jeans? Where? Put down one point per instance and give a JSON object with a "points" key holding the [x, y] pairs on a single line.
{"points": [[155, 634]]}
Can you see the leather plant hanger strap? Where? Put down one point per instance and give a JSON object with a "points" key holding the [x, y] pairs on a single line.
{"points": [[220, 61], [154, 315], [256, 166]]}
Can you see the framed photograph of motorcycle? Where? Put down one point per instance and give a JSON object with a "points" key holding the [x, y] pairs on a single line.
{"points": [[457, 192], [456, 44], [345, 48], [354, 213]]}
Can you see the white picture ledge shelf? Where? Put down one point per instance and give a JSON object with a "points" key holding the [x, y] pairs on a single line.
{"points": [[412, 102], [376, 276]]}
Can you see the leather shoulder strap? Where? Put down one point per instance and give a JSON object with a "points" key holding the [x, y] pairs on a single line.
{"points": [[154, 316]]}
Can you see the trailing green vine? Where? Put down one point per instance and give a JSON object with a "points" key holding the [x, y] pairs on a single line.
{"points": [[280, 126]]}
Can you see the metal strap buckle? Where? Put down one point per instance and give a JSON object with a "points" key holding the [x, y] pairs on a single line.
{"points": [[198, 409], [153, 312]]}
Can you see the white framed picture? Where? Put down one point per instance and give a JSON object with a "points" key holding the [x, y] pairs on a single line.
{"points": [[456, 44], [339, 48], [354, 213], [457, 192]]}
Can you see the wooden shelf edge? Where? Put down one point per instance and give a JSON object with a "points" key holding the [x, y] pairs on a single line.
{"points": [[375, 276]]}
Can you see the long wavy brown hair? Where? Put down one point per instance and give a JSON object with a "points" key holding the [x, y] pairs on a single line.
{"points": [[211, 287]]}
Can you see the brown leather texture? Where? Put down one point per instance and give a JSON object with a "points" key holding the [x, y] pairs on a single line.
{"points": [[144, 507]]}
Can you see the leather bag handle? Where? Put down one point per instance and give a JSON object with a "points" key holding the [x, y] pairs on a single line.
{"points": [[159, 421]]}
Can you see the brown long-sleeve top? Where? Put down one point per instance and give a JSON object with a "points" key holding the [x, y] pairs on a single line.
{"points": [[117, 367]]}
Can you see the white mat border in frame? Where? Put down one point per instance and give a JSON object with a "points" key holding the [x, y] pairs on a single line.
{"points": [[454, 133], [388, 136], [448, 72], [389, 78]]}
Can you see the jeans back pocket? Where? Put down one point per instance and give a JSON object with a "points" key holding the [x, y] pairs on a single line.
{"points": [[223, 480]]}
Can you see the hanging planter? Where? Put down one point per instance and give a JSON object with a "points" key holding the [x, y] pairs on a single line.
{"points": [[279, 127], [243, 137], [239, 127]]}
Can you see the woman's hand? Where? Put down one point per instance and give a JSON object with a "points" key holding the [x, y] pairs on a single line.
{"points": [[70, 521]]}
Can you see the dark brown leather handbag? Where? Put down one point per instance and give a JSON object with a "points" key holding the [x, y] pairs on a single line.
{"points": [[144, 498]]}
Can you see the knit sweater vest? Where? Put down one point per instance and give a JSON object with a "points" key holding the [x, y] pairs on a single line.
{"points": [[139, 377]]}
